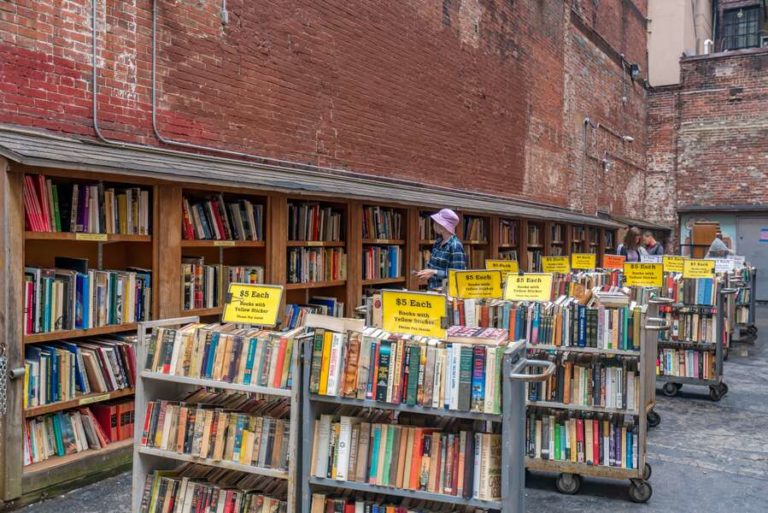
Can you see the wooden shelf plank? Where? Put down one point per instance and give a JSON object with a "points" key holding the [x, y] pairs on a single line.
{"points": [[507, 246], [82, 400], [576, 349], [202, 312], [86, 237], [314, 284], [199, 382], [93, 332], [427, 242], [405, 408], [316, 243], [381, 281], [391, 242], [230, 465], [59, 461], [578, 407], [223, 243], [583, 469], [475, 242]]}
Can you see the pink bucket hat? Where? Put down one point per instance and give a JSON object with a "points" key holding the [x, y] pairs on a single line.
{"points": [[446, 218]]}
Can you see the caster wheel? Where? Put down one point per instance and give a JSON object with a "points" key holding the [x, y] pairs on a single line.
{"points": [[647, 471], [715, 392], [752, 330], [640, 491], [679, 385], [654, 419], [724, 387], [568, 483], [670, 389]]}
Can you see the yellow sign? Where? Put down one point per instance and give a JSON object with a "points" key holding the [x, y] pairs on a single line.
{"points": [[478, 284], [252, 304], [93, 237], [416, 313], [583, 261], [555, 264], [505, 266], [699, 269], [224, 243], [643, 275], [93, 399], [613, 262], [673, 264], [528, 287]]}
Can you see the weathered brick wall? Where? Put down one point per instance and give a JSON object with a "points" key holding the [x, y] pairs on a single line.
{"points": [[708, 138], [460, 93]]}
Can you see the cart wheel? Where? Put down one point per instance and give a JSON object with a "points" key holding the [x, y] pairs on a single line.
{"points": [[752, 330], [568, 483], [654, 419], [639, 490], [670, 389], [724, 387], [679, 385], [715, 392], [725, 355], [647, 471]]}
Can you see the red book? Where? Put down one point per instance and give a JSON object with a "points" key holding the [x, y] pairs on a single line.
{"points": [[42, 191], [417, 452], [580, 441], [147, 421], [189, 232], [349, 508], [280, 363], [34, 204], [595, 440], [107, 416]]}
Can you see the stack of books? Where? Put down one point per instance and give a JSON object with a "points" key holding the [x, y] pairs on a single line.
{"points": [[295, 315], [312, 222], [382, 223], [507, 232], [475, 257], [205, 286], [474, 229], [426, 230], [382, 262], [306, 265], [686, 363], [217, 219], [691, 291]]}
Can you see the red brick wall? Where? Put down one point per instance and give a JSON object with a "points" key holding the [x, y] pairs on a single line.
{"points": [[708, 137], [460, 93]]}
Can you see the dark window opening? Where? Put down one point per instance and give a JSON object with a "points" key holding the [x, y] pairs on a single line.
{"points": [[741, 28]]}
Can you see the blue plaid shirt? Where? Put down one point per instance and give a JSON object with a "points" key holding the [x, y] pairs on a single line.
{"points": [[445, 255]]}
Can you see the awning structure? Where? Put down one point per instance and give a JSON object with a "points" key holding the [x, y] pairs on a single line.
{"points": [[47, 150], [640, 223]]}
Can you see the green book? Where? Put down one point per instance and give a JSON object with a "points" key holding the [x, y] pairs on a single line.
{"points": [[413, 374], [388, 456], [56, 213], [317, 361]]}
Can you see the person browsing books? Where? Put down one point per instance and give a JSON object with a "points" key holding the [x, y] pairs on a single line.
{"points": [[652, 246], [631, 248], [447, 251]]}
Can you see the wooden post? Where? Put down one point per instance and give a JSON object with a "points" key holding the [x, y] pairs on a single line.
{"points": [[547, 239], [167, 236], [494, 238], [354, 256], [523, 255], [412, 247]]}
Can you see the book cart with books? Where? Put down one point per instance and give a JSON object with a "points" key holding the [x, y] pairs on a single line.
{"points": [[217, 416], [375, 432], [591, 417], [743, 303], [693, 350]]}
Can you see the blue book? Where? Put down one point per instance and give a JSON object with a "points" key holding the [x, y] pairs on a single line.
{"points": [[53, 375], [375, 450], [211, 355], [505, 316], [582, 340], [249, 360], [48, 284], [79, 371], [628, 459], [478, 378]]}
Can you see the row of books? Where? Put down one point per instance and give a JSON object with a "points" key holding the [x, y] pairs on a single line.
{"points": [[688, 363], [534, 235], [534, 260], [407, 370], [694, 324], [205, 285], [474, 228], [74, 431], [382, 262], [557, 233], [64, 206], [508, 254], [62, 371], [459, 463], [223, 352], [604, 440], [606, 383], [215, 434], [426, 230], [691, 291], [382, 223], [556, 251], [218, 219], [71, 296], [475, 257], [580, 284], [610, 241], [323, 503], [295, 315], [313, 222], [424, 256], [578, 234], [306, 265], [195, 488], [507, 232]]}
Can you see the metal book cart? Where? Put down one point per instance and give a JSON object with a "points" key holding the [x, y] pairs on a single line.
{"points": [[717, 386], [156, 386], [570, 473], [512, 428], [747, 331]]}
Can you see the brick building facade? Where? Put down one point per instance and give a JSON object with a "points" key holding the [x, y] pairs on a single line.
{"points": [[488, 95]]}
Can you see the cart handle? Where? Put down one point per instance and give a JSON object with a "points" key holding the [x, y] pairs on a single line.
{"points": [[662, 325], [517, 374], [728, 292], [661, 300]]}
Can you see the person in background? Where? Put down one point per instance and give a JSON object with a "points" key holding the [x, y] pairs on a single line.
{"points": [[652, 246], [718, 249], [447, 252], [631, 248]]}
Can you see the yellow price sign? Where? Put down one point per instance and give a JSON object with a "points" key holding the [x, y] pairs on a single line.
{"points": [[613, 262], [92, 237], [583, 261], [699, 268], [505, 266], [643, 275], [555, 264], [416, 313], [673, 264], [252, 304], [528, 287], [477, 284]]}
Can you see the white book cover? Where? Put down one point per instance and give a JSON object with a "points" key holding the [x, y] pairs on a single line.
{"points": [[343, 448], [335, 363], [470, 314], [437, 383], [476, 469], [491, 380], [323, 439], [176, 350]]}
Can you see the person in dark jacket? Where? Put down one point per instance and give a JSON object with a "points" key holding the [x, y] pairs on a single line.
{"points": [[632, 248], [447, 251], [652, 246]]}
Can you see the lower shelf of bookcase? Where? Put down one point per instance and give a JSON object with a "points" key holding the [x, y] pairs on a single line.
{"points": [[577, 407], [83, 400], [59, 470], [404, 408], [91, 332], [582, 469], [401, 492], [688, 381], [579, 349], [684, 344], [229, 465], [184, 380]]}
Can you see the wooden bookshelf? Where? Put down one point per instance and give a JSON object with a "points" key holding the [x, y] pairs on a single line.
{"points": [[33, 471], [204, 312], [223, 244], [70, 334], [82, 400], [315, 284], [577, 241], [383, 281], [85, 237], [315, 244], [532, 244]]}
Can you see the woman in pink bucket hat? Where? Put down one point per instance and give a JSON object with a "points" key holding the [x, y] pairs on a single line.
{"points": [[447, 252]]}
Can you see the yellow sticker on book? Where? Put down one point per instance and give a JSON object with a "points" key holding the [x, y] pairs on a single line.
{"points": [[643, 275], [505, 266], [93, 237], [673, 264], [528, 287], [698, 268], [584, 261], [555, 264], [252, 304], [224, 243], [476, 284], [416, 313]]}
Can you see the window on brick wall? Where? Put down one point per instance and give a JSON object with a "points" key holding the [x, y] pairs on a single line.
{"points": [[741, 28]]}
